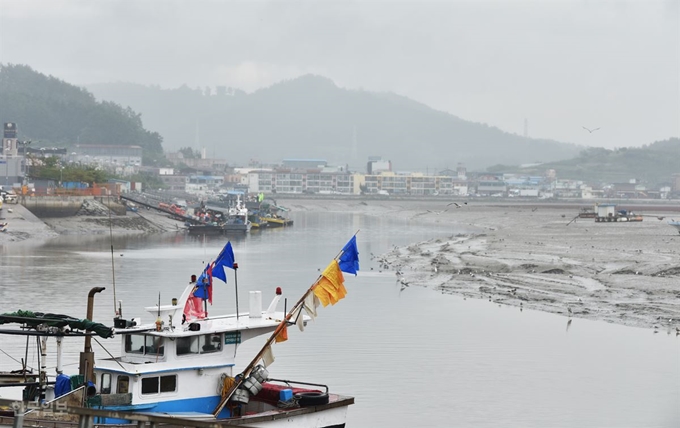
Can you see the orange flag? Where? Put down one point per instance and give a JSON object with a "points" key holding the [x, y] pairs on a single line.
{"points": [[331, 288], [283, 335]]}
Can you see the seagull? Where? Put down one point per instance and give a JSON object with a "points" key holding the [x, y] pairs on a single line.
{"points": [[590, 130], [456, 204]]}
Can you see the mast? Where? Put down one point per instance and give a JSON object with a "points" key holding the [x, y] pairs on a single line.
{"points": [[268, 343]]}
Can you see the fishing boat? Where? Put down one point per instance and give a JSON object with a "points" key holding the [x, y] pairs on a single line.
{"points": [[275, 220], [215, 220], [257, 220], [274, 214], [675, 224], [181, 364]]}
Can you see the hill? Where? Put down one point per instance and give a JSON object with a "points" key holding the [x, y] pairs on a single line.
{"points": [[60, 114], [310, 117], [652, 164]]}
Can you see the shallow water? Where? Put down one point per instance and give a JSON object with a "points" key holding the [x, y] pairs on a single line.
{"points": [[411, 358]]}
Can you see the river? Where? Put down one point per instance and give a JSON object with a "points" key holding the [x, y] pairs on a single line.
{"points": [[412, 357]]}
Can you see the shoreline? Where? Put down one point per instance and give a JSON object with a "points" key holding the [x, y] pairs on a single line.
{"points": [[24, 228], [523, 255], [526, 256]]}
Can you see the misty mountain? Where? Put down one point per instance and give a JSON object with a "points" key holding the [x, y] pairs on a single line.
{"points": [[310, 117], [652, 164], [52, 112]]}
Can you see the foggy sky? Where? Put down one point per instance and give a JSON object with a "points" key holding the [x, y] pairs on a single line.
{"points": [[560, 64]]}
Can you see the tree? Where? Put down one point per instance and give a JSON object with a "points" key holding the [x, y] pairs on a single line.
{"points": [[190, 153]]}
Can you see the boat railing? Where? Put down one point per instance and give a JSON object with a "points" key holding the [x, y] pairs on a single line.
{"points": [[289, 382]]}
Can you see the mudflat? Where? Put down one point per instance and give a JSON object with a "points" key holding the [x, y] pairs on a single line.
{"points": [[527, 255]]}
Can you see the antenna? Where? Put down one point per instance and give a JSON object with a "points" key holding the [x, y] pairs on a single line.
{"points": [[113, 265], [355, 150]]}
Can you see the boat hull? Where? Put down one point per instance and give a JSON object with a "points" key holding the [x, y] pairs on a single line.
{"points": [[219, 230], [330, 415], [278, 222]]}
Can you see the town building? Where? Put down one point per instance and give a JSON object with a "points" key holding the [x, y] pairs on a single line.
{"points": [[107, 154]]}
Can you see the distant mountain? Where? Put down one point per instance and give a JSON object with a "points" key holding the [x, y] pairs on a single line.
{"points": [[59, 114], [652, 164], [310, 117]]}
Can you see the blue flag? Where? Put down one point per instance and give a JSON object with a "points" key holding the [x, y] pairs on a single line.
{"points": [[349, 260], [204, 284], [225, 259]]}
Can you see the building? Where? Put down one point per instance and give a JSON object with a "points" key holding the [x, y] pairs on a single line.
{"points": [[282, 180], [173, 182], [377, 165], [107, 154], [12, 163], [202, 184], [414, 184]]}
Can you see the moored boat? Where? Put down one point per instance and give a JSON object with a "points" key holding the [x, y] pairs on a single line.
{"points": [[277, 221], [182, 364]]}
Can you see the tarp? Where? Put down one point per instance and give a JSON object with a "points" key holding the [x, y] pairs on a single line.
{"points": [[34, 319], [62, 385]]}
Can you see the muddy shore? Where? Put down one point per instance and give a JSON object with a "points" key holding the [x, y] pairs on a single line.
{"points": [[525, 255], [522, 255], [24, 228]]}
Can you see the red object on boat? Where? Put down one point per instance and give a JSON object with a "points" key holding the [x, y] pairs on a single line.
{"points": [[271, 392], [278, 291]]}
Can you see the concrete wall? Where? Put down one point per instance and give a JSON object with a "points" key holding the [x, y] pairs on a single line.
{"points": [[65, 206]]}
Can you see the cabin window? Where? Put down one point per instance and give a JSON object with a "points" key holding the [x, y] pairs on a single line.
{"points": [[143, 344], [210, 343], [152, 385], [169, 383], [153, 345], [187, 345], [105, 384], [123, 385], [134, 343]]}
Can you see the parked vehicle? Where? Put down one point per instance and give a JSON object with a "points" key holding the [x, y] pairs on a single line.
{"points": [[9, 196]]}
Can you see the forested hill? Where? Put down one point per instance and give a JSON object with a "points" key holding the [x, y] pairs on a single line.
{"points": [[60, 114], [310, 117], [652, 164]]}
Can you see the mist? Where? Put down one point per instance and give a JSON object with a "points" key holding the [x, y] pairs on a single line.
{"points": [[555, 66]]}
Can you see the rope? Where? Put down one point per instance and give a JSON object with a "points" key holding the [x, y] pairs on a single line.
{"points": [[27, 366], [227, 383], [110, 355]]}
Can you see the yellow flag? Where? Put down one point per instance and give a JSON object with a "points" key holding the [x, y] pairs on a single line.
{"points": [[331, 288]]}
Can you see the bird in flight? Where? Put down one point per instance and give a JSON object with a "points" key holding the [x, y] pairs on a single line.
{"points": [[456, 204], [590, 130]]}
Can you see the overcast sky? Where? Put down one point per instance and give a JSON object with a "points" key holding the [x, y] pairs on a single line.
{"points": [[559, 64]]}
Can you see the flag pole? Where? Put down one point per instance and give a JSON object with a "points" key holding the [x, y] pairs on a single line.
{"points": [[279, 328], [235, 266]]}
